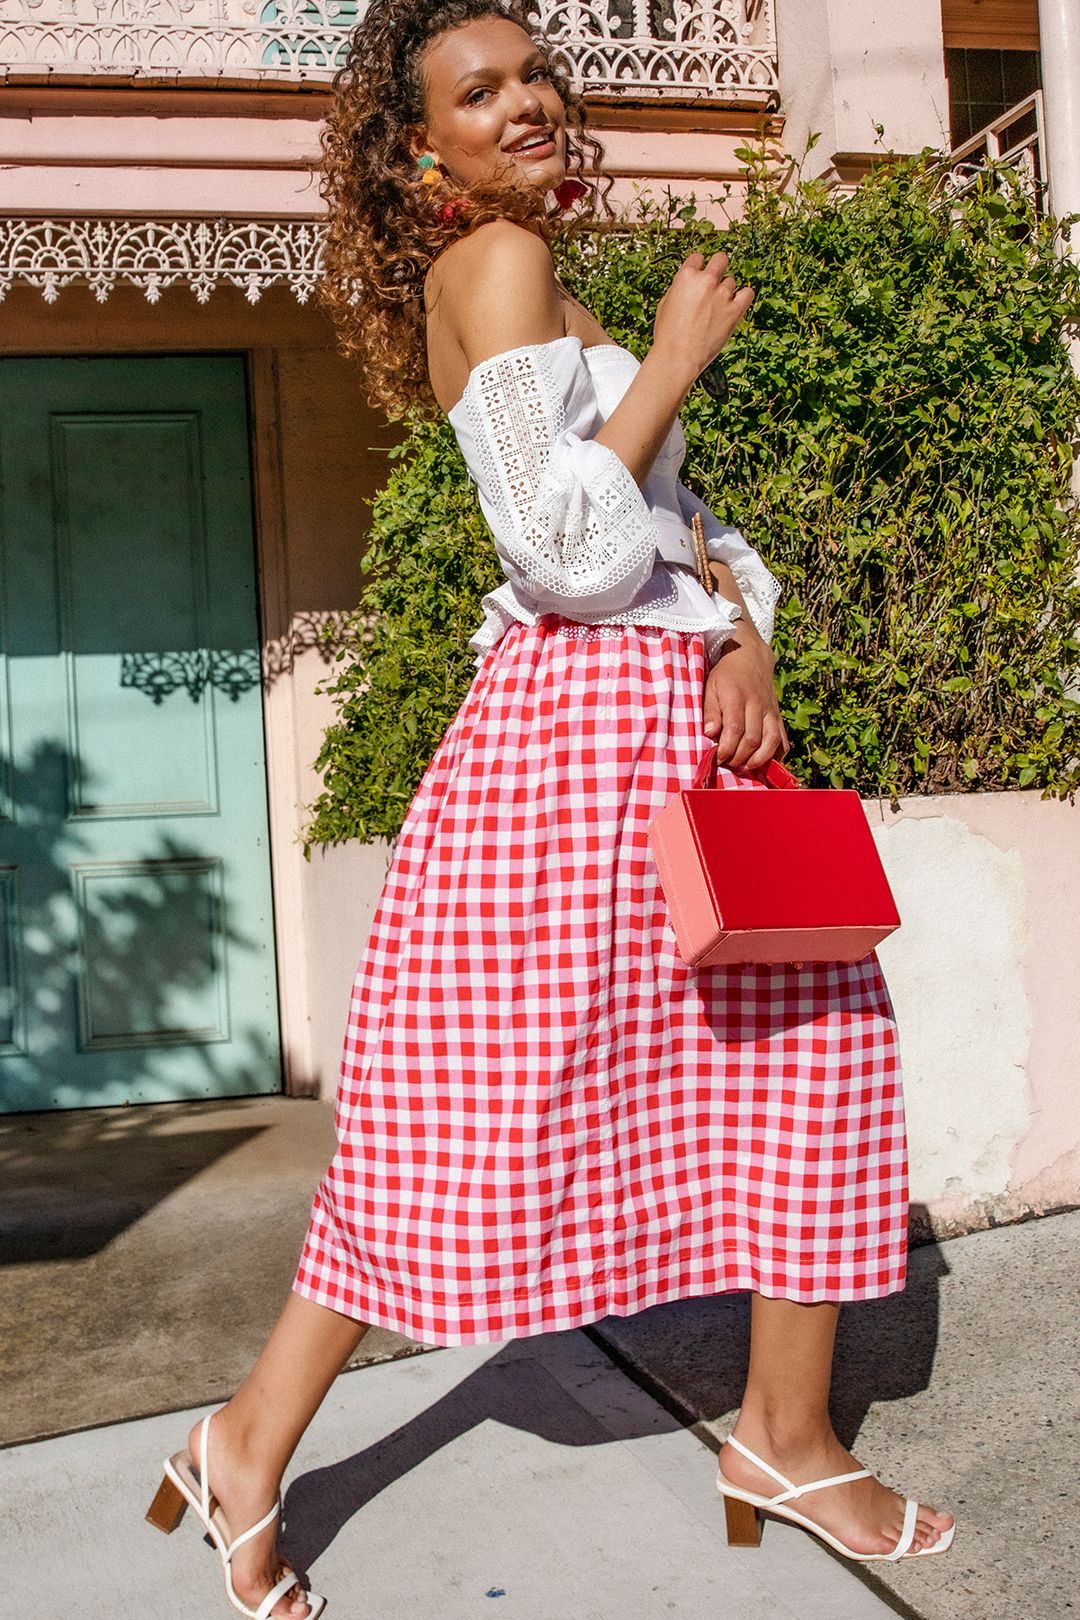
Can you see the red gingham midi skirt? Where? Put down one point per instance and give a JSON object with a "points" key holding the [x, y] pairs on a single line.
{"points": [[545, 1116]]}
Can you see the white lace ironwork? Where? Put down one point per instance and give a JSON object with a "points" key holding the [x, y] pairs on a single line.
{"points": [[718, 50], [155, 254]]}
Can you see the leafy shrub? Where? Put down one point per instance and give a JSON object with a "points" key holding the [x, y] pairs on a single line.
{"points": [[896, 439]]}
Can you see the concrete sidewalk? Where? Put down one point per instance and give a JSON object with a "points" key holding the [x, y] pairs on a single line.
{"points": [[962, 1390], [144, 1254], [531, 1481]]}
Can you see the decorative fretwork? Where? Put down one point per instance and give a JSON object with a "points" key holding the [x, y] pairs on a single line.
{"points": [[717, 50], [193, 39], [154, 254]]}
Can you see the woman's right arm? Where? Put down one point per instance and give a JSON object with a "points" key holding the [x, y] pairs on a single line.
{"points": [[501, 293], [694, 320]]}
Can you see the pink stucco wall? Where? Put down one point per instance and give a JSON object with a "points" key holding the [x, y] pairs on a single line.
{"points": [[177, 155], [986, 972]]}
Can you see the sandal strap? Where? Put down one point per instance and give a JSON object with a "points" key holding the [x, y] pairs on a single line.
{"points": [[907, 1534], [204, 1495], [204, 1472], [791, 1490], [267, 1518], [820, 1484], [287, 1580], [760, 1462]]}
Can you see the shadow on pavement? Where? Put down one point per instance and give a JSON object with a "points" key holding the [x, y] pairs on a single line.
{"points": [[691, 1354], [510, 1389], [71, 1182]]}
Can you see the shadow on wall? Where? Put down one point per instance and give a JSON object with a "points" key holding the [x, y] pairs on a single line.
{"points": [[113, 970], [233, 672]]}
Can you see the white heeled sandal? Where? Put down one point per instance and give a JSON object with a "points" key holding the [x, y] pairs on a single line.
{"points": [[186, 1486], [742, 1510]]}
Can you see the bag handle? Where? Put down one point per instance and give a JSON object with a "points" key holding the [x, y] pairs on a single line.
{"points": [[773, 774]]}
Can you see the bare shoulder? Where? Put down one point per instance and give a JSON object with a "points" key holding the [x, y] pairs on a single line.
{"points": [[495, 289], [492, 250]]}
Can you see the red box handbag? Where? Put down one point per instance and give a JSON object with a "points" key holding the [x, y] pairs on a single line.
{"points": [[787, 876]]}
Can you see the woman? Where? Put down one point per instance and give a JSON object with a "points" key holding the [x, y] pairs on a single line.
{"points": [[545, 1116]]}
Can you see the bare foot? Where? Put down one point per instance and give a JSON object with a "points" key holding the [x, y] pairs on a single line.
{"points": [[864, 1514], [244, 1498]]}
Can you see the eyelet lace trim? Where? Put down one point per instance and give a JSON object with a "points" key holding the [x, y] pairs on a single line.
{"points": [[500, 617], [713, 636], [570, 516], [760, 590], [604, 632]]}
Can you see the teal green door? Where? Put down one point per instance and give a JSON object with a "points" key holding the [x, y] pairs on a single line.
{"points": [[136, 938]]}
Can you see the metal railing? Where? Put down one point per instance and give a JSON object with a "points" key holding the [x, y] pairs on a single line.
{"points": [[1017, 138], [721, 51]]}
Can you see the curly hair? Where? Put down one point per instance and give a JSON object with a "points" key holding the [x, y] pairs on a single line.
{"points": [[384, 230]]}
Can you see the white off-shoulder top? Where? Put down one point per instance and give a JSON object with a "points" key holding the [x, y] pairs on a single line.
{"points": [[574, 532]]}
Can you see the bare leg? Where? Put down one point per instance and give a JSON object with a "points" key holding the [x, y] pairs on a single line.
{"points": [[255, 1435], [784, 1418]]}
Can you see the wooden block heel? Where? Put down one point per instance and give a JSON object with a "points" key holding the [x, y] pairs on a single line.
{"points": [[167, 1508], [743, 1526]]}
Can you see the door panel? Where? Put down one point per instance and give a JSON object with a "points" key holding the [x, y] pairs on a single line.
{"points": [[136, 944], [96, 518], [157, 927]]}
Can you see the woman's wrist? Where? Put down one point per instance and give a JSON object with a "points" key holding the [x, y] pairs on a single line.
{"points": [[747, 637], [670, 373], [745, 633]]}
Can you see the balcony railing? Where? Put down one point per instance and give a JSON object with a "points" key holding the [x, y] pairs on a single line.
{"points": [[1017, 138], [722, 51]]}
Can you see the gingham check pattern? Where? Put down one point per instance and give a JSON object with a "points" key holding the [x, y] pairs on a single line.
{"points": [[545, 1116]]}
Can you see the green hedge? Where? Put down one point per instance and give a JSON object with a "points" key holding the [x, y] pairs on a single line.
{"points": [[896, 439]]}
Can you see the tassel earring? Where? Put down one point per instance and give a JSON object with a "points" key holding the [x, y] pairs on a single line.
{"points": [[429, 170], [568, 193]]}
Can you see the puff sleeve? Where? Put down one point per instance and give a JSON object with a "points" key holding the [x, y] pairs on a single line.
{"points": [[723, 543], [569, 521]]}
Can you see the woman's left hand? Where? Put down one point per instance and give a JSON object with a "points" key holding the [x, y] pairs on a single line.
{"points": [[741, 711]]}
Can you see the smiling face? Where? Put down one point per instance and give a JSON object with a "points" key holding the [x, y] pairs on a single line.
{"points": [[492, 110]]}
